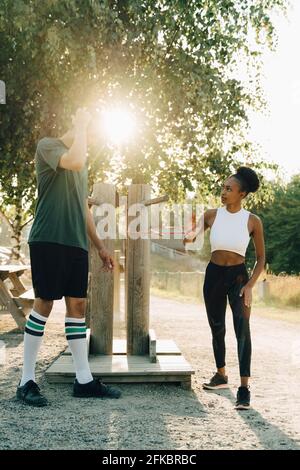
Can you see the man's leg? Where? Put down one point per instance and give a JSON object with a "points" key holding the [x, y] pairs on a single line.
{"points": [[33, 336], [85, 385], [48, 275], [75, 294], [76, 335], [28, 391]]}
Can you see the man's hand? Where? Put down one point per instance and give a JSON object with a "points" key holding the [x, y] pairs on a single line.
{"points": [[81, 119], [108, 262]]}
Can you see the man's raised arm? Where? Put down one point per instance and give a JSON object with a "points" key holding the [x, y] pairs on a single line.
{"points": [[75, 158]]}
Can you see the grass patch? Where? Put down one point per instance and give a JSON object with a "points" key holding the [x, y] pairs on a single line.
{"points": [[259, 308]]}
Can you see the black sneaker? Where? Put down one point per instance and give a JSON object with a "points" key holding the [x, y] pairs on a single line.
{"points": [[95, 388], [30, 393], [216, 382], [243, 399]]}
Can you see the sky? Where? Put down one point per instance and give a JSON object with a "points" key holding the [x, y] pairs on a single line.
{"points": [[279, 133]]}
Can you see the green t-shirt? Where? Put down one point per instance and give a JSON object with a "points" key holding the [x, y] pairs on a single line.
{"points": [[60, 211]]}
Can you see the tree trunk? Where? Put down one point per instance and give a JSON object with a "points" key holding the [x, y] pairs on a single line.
{"points": [[16, 237]]}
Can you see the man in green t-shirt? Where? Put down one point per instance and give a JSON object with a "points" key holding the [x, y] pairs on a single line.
{"points": [[59, 255]]}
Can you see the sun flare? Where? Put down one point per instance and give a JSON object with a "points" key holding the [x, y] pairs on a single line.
{"points": [[119, 125]]}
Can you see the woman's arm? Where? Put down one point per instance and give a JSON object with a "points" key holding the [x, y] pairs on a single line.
{"points": [[259, 243], [202, 225]]}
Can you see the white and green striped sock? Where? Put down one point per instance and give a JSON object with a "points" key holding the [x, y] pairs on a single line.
{"points": [[33, 336], [76, 336]]}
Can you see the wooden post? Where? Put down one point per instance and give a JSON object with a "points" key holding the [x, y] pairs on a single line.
{"points": [[137, 279], [126, 258], [88, 300], [91, 202], [117, 254], [102, 284], [263, 290]]}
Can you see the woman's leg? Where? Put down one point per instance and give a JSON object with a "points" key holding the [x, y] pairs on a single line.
{"points": [[241, 321], [215, 301]]}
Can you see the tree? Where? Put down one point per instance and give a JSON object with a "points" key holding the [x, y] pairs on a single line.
{"points": [[282, 228], [172, 62]]}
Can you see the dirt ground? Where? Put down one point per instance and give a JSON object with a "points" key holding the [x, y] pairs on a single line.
{"points": [[162, 416]]}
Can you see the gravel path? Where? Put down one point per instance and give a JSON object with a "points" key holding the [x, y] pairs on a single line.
{"points": [[162, 416]]}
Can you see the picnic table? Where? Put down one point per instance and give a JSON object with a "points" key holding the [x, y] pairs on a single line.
{"points": [[16, 298]]}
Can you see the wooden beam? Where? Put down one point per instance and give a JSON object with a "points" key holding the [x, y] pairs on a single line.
{"points": [[19, 288], [152, 345], [117, 283], [137, 279], [156, 200], [15, 310], [18, 314], [166, 347], [102, 284]]}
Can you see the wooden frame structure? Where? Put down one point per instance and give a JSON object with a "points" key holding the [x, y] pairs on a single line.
{"points": [[141, 357]]}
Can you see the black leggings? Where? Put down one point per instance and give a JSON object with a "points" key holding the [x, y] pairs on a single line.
{"points": [[220, 282]]}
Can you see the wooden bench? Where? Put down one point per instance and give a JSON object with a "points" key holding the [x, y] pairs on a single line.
{"points": [[25, 300], [15, 299]]}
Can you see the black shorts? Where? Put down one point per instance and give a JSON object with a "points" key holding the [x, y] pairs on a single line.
{"points": [[58, 270]]}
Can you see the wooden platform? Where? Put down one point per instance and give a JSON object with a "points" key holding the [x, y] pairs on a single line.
{"points": [[121, 368]]}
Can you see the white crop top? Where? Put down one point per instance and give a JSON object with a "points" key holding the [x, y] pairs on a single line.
{"points": [[230, 231]]}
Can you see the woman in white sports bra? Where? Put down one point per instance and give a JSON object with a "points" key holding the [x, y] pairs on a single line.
{"points": [[226, 275]]}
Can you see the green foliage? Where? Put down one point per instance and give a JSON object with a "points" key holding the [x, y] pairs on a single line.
{"points": [[281, 220], [172, 62]]}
